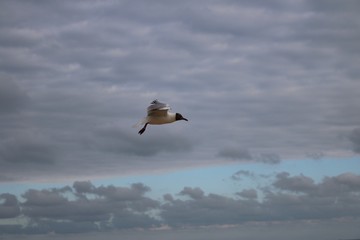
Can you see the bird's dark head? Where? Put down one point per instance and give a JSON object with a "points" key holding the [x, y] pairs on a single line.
{"points": [[179, 117]]}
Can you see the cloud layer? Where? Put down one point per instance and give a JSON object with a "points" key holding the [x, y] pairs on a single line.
{"points": [[84, 207], [259, 82]]}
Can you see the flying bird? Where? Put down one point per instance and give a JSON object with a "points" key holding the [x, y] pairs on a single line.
{"points": [[158, 113]]}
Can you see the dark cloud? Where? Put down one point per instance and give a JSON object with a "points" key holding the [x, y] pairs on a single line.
{"points": [[297, 183], [315, 155], [9, 206], [348, 180], [355, 140], [61, 227], [344, 184], [235, 154], [168, 197], [12, 97], [81, 76], [83, 187], [5, 178], [194, 193], [124, 194], [44, 198], [242, 173], [27, 150], [331, 197], [88, 208], [248, 193], [209, 210], [270, 158], [303, 199], [125, 143], [244, 155]]}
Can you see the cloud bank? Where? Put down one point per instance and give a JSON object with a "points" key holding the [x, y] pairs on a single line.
{"points": [[259, 82], [83, 207]]}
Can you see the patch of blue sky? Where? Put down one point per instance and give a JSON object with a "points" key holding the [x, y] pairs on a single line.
{"points": [[217, 179], [318, 169], [212, 179]]}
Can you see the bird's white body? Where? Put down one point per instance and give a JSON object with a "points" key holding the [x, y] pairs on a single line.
{"points": [[157, 120]]}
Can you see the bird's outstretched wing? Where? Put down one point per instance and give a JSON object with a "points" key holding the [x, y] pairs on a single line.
{"points": [[157, 108]]}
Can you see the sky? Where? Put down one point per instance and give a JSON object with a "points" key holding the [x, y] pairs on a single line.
{"points": [[270, 88]]}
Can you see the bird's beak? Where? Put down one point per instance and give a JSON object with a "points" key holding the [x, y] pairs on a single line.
{"points": [[185, 119]]}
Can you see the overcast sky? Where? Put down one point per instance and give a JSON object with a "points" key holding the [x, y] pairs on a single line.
{"points": [[270, 88]]}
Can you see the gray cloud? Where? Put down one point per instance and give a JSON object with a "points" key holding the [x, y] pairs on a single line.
{"points": [[242, 173], [9, 206], [244, 155], [45, 197], [278, 79], [209, 210], [235, 154], [12, 98], [83, 187], [327, 199], [248, 193], [6, 178], [259, 81], [83, 75], [349, 180], [122, 194], [27, 149], [194, 193], [297, 183], [315, 155], [118, 141], [344, 184], [270, 158], [355, 140], [89, 209], [85, 207]]}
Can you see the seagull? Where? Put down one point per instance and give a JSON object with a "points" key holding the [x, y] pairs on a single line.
{"points": [[158, 113]]}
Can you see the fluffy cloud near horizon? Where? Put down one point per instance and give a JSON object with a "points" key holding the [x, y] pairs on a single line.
{"points": [[84, 207]]}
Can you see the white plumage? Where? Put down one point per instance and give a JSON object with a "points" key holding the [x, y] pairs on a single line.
{"points": [[158, 113]]}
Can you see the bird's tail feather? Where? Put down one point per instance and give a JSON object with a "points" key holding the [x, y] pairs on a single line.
{"points": [[140, 123]]}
